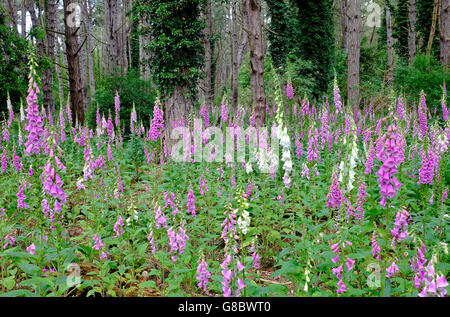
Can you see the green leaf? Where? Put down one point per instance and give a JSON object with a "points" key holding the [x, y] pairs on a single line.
{"points": [[9, 282], [149, 284], [19, 293], [28, 268]]}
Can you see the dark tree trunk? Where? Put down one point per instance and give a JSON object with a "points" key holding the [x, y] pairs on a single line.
{"points": [[445, 33], [433, 27], [208, 58], [251, 14], [112, 25], [52, 23], [23, 20], [344, 24], [11, 8], [354, 12], [72, 51], [176, 109], [390, 75], [412, 48], [234, 57]]}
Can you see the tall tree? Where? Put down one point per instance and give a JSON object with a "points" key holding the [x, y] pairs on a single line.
{"points": [[11, 8], [316, 39], [390, 75], [343, 10], [445, 32], [280, 36], [51, 20], [424, 25], [234, 55], [431, 37], [176, 59], [72, 52], [400, 29], [87, 12], [354, 50], [113, 36], [207, 83], [412, 30], [251, 14]]}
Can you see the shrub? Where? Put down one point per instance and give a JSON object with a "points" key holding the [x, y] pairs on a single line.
{"points": [[131, 90], [425, 73]]}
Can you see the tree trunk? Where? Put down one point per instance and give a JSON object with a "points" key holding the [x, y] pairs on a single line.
{"points": [[87, 11], [176, 109], [52, 23], [344, 24], [112, 25], [354, 42], [445, 33], [123, 38], [59, 74], [390, 75], [433, 27], [234, 57], [47, 75], [82, 40], [72, 51], [251, 14], [208, 58], [412, 30], [11, 8], [23, 19]]}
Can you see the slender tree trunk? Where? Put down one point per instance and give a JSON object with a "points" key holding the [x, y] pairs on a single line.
{"points": [[445, 33], [251, 13], [82, 40], [47, 75], [412, 30], [87, 11], [124, 35], [112, 25], [72, 51], [52, 24], [176, 110], [23, 19], [208, 58], [59, 74], [11, 8], [234, 56], [83, 68], [344, 24], [390, 75], [433, 27], [354, 42]]}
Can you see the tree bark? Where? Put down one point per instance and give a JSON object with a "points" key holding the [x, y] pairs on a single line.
{"points": [[412, 48], [390, 75], [82, 40], [72, 51], [23, 19], [87, 12], [11, 8], [234, 57], [59, 74], [354, 50], [176, 108], [344, 24], [112, 25], [52, 23], [445, 33], [208, 58], [251, 14], [433, 27]]}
